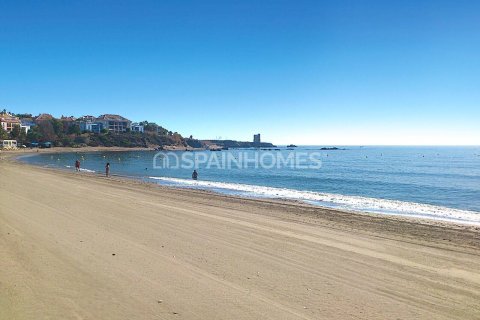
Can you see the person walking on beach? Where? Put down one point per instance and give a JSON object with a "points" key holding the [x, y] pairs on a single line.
{"points": [[195, 175], [77, 165], [107, 169]]}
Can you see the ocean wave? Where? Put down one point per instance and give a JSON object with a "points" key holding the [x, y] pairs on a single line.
{"points": [[352, 203]]}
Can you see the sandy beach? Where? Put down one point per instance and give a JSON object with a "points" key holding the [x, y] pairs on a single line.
{"points": [[79, 246]]}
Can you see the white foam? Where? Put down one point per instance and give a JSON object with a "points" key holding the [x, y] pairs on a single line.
{"points": [[355, 203], [83, 169]]}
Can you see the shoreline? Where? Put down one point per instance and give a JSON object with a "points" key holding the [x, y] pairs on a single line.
{"points": [[15, 155], [301, 205], [79, 245]]}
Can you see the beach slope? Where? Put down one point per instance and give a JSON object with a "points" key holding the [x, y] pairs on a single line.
{"points": [[76, 246]]}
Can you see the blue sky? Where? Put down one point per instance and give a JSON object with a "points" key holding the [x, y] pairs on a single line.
{"points": [[303, 72]]}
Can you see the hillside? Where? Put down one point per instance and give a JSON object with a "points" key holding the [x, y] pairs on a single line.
{"points": [[78, 132], [66, 132]]}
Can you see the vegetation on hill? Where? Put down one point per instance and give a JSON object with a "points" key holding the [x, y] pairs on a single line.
{"points": [[65, 132], [3, 134], [68, 134]]}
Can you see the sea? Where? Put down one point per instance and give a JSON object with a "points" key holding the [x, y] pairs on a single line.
{"points": [[441, 183]]}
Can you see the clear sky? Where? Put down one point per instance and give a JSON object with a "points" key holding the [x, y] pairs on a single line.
{"points": [[303, 72]]}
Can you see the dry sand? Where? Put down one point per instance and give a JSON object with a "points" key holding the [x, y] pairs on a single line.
{"points": [[75, 246]]}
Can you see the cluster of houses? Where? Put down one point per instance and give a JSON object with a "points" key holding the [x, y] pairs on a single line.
{"points": [[109, 122]]}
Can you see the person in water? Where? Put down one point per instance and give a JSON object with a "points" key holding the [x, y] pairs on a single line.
{"points": [[107, 169], [195, 175], [77, 165]]}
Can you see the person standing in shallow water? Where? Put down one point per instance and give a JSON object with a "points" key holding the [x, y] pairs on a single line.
{"points": [[107, 169], [77, 165], [195, 175]]}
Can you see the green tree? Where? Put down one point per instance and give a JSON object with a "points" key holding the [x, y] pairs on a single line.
{"points": [[57, 126], [24, 115], [149, 126], [162, 131], [15, 133], [74, 129], [33, 134], [22, 137], [3, 134], [47, 131]]}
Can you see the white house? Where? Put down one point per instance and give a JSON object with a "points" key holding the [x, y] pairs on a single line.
{"points": [[136, 127], [26, 125], [93, 127]]}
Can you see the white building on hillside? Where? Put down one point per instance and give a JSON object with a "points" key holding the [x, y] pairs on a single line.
{"points": [[136, 127], [114, 122], [26, 125]]}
